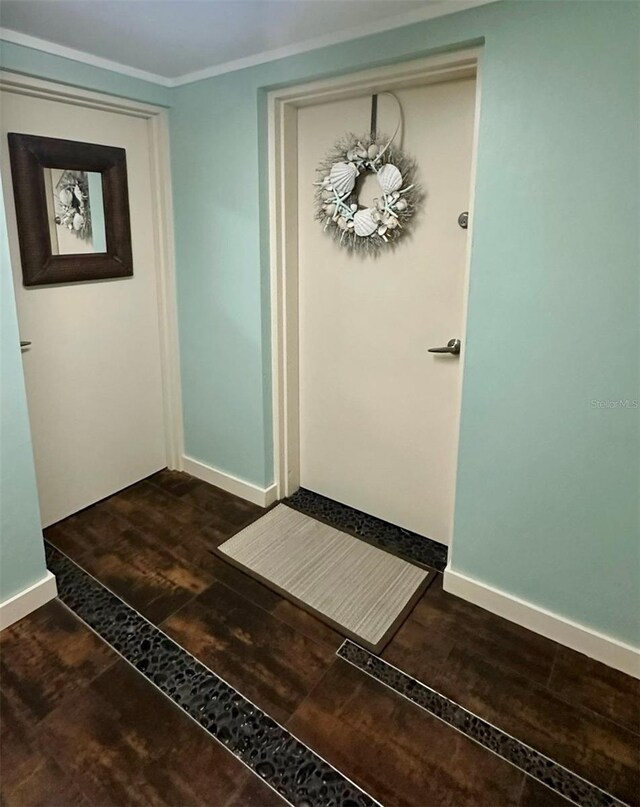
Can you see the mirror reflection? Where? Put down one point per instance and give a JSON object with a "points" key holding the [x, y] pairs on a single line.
{"points": [[75, 211]]}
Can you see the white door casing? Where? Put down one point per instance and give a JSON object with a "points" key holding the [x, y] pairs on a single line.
{"points": [[102, 374], [377, 440]]}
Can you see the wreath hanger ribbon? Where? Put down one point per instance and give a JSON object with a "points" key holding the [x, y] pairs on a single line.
{"points": [[374, 119]]}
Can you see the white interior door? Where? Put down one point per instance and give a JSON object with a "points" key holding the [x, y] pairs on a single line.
{"points": [[379, 415], [93, 372]]}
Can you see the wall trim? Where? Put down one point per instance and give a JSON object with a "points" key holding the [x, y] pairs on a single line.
{"points": [[428, 12], [28, 600], [590, 642], [263, 497]]}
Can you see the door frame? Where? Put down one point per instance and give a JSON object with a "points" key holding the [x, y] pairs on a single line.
{"points": [[283, 105], [158, 126]]}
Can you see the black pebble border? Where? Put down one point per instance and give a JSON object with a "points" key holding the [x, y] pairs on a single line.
{"points": [[545, 770], [407, 544], [275, 755]]}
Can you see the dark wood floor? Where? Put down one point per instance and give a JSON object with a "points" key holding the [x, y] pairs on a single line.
{"points": [[80, 726]]}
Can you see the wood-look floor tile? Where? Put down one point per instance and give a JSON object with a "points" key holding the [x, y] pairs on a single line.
{"points": [[535, 794], [307, 624], [47, 786], [243, 584], [125, 743], [147, 506], [587, 744], [216, 532], [147, 574], [187, 531], [267, 599], [268, 661], [585, 682], [556, 702], [152, 544], [46, 656], [19, 754], [400, 754], [177, 483], [45, 659], [255, 793], [229, 509], [449, 620], [418, 650], [157, 574], [625, 783]]}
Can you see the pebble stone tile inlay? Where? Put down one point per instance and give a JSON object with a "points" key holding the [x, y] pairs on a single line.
{"points": [[405, 543], [545, 770], [292, 769]]}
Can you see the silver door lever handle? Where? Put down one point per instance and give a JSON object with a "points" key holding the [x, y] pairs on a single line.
{"points": [[453, 346], [25, 344]]}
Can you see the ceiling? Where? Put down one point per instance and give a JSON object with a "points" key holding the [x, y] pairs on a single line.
{"points": [[175, 41]]}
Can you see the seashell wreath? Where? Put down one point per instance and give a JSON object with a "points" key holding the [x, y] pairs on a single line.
{"points": [[366, 230]]}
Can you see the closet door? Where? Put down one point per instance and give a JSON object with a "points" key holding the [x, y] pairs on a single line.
{"points": [[93, 369]]}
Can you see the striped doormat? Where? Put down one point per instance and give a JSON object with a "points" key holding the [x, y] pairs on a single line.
{"points": [[358, 589]]}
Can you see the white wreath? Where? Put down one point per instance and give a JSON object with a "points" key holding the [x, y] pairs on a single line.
{"points": [[366, 229]]}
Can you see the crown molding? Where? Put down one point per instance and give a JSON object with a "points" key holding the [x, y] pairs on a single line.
{"points": [[54, 49], [440, 9], [431, 11]]}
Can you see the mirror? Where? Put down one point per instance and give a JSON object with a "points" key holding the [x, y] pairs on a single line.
{"points": [[72, 209], [75, 210]]}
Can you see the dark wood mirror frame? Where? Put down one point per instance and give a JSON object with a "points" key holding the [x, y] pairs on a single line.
{"points": [[29, 156]]}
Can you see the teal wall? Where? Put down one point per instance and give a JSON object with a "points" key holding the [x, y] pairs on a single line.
{"points": [[21, 548], [548, 484]]}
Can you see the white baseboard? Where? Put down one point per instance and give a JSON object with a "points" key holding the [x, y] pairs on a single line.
{"points": [[245, 490], [28, 600], [599, 646]]}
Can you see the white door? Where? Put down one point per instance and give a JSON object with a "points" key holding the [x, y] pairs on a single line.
{"points": [[93, 372], [379, 415]]}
